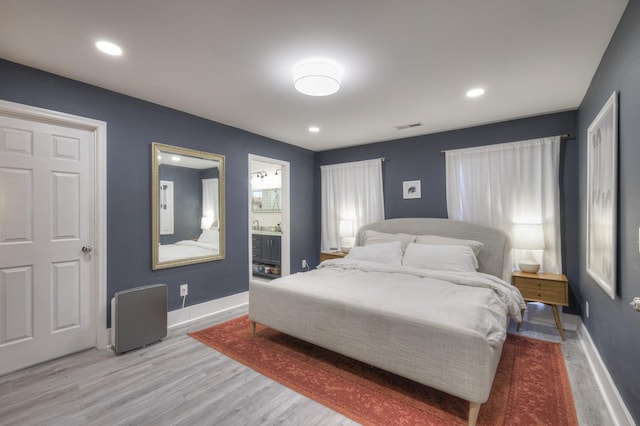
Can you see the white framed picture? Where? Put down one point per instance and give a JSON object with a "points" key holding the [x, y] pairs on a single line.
{"points": [[602, 190], [411, 189]]}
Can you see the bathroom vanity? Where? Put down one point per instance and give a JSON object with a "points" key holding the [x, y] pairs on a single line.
{"points": [[266, 252]]}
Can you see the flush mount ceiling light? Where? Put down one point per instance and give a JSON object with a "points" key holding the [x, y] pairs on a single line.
{"points": [[317, 77], [314, 129], [109, 48], [474, 93]]}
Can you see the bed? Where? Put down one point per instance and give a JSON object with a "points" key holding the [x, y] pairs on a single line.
{"points": [[406, 299], [207, 244]]}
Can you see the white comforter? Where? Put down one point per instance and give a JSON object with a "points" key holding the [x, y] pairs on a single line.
{"points": [[186, 249], [469, 300]]}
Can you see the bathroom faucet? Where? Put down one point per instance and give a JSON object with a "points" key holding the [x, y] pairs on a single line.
{"points": [[256, 225]]}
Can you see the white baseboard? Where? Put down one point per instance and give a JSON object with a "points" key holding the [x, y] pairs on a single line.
{"points": [[203, 310], [610, 394], [192, 313]]}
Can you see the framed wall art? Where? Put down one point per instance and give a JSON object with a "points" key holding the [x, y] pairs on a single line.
{"points": [[411, 189], [602, 190]]}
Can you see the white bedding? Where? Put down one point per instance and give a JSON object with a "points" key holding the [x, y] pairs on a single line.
{"points": [[435, 297], [443, 329], [186, 249]]}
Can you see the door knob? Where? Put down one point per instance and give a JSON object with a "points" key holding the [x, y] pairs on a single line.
{"points": [[87, 249]]}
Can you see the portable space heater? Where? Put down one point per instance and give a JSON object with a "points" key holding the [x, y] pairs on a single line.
{"points": [[138, 317]]}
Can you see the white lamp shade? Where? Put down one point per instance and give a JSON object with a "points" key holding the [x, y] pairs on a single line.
{"points": [[206, 222], [346, 228], [317, 77], [528, 236], [346, 234]]}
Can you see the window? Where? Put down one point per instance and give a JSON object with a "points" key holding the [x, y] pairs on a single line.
{"points": [[352, 193], [509, 184]]}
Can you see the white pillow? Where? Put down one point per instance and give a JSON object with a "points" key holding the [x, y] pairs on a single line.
{"points": [[375, 237], [437, 240], [209, 236], [387, 253], [440, 257]]}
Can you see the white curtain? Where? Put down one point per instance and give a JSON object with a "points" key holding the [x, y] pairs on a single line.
{"points": [[507, 184], [210, 201], [351, 193]]}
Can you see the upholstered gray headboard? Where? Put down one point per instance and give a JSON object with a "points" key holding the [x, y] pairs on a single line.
{"points": [[494, 258]]}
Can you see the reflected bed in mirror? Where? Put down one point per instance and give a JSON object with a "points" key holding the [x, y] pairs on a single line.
{"points": [[187, 191]]}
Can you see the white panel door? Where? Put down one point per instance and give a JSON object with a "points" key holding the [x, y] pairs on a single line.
{"points": [[166, 207], [47, 283]]}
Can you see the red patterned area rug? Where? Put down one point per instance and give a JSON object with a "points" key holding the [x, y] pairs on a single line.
{"points": [[531, 386]]}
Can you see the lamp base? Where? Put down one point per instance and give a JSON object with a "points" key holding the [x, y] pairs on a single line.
{"points": [[529, 268]]}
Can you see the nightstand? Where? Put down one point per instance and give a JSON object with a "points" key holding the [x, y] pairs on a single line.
{"points": [[326, 255], [551, 289]]}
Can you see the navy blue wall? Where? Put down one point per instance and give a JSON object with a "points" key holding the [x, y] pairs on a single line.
{"points": [[613, 325], [132, 125], [419, 158]]}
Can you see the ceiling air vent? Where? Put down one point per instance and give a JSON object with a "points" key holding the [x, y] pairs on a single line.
{"points": [[408, 126]]}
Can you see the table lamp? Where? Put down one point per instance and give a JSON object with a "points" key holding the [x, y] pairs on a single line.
{"points": [[346, 235], [529, 236], [206, 222]]}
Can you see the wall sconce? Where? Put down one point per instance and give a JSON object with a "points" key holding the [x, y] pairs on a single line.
{"points": [[528, 236], [258, 175]]}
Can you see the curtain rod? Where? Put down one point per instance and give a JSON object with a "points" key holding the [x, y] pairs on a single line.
{"points": [[564, 136], [383, 159]]}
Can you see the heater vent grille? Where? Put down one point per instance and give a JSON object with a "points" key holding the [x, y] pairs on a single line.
{"points": [[138, 317], [408, 126]]}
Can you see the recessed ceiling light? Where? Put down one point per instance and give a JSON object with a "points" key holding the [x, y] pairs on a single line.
{"points": [[474, 93], [109, 48], [317, 77], [314, 129]]}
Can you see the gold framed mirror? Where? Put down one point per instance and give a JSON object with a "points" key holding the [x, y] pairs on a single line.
{"points": [[188, 209]]}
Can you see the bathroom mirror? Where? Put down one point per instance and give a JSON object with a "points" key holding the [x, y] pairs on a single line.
{"points": [[187, 196], [266, 200]]}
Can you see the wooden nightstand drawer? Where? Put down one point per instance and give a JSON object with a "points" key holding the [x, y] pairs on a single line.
{"points": [[540, 291], [326, 255]]}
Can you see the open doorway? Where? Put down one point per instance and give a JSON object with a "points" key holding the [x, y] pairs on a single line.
{"points": [[269, 242]]}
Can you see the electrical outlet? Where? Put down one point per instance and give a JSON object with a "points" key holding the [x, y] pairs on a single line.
{"points": [[184, 290], [586, 304], [304, 263]]}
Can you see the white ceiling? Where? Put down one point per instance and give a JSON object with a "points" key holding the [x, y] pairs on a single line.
{"points": [[404, 61]]}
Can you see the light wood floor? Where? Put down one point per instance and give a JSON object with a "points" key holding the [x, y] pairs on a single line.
{"points": [[181, 381]]}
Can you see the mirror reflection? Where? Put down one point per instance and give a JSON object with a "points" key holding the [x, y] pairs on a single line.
{"points": [[188, 206], [266, 200]]}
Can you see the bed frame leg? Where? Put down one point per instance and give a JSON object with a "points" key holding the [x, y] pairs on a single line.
{"points": [[253, 329], [521, 319], [474, 410]]}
